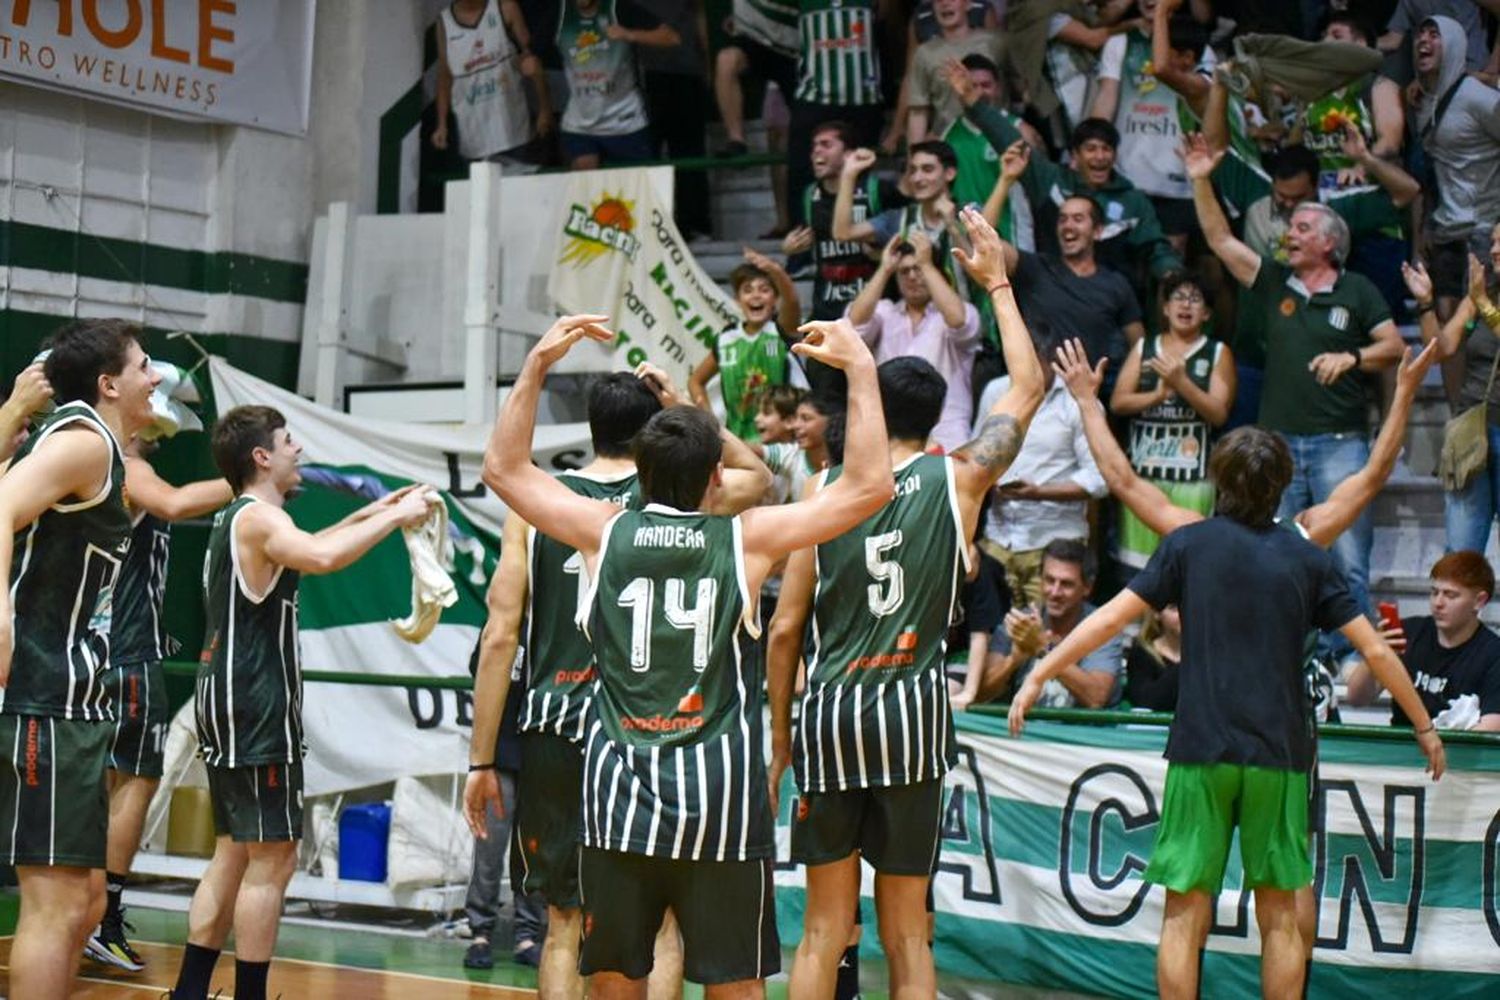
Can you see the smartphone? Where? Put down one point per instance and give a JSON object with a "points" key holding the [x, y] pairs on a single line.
{"points": [[1390, 615]]}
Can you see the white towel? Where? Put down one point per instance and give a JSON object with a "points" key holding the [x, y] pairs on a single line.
{"points": [[1462, 713], [432, 589]]}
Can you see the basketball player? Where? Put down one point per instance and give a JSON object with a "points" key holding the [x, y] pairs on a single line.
{"points": [[540, 579], [63, 533], [674, 806], [138, 642], [249, 695], [876, 733], [1239, 750]]}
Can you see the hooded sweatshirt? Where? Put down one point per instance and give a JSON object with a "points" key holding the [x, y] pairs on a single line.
{"points": [[1463, 142]]}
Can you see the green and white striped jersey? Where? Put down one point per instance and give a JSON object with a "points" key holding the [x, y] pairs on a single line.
{"points": [[672, 764], [772, 23], [560, 681], [837, 62], [63, 570], [875, 711], [137, 634], [249, 694]]}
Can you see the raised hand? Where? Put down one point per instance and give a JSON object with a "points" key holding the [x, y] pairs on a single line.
{"points": [[961, 82], [1072, 366], [890, 254], [413, 506], [1014, 160], [985, 260], [567, 331], [1352, 142], [799, 240], [858, 161], [833, 342], [1168, 367], [1198, 159], [660, 383], [1418, 281], [31, 391], [1412, 370], [921, 247], [1479, 294]]}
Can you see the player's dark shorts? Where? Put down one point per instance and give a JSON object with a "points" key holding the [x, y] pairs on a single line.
{"points": [[139, 693], [544, 838], [895, 828], [726, 911], [54, 808], [257, 804], [765, 63]]}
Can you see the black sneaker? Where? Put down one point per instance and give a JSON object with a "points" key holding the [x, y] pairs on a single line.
{"points": [[480, 955], [732, 149], [108, 945]]}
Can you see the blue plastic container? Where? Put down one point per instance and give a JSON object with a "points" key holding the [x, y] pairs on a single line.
{"points": [[364, 834]]}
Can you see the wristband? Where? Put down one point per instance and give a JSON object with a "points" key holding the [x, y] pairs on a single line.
{"points": [[1431, 727], [491, 766], [1358, 360], [996, 287], [1426, 307]]}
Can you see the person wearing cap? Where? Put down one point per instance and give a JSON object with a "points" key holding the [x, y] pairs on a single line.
{"points": [[138, 643]]}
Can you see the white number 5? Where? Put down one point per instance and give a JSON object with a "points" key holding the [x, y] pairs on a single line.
{"points": [[884, 600]]}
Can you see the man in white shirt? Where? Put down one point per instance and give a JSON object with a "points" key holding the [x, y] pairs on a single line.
{"points": [[1045, 493]]}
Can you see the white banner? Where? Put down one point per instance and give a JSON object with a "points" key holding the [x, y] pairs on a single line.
{"points": [[619, 253], [247, 62]]}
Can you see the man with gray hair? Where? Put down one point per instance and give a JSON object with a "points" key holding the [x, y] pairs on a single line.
{"points": [[1326, 328]]}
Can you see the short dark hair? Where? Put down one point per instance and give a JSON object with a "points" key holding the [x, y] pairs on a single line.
{"points": [[1072, 550], [1250, 469], [1362, 27], [83, 350], [746, 272], [1173, 280], [1095, 128], [1293, 161], [843, 129], [1185, 34], [236, 436], [911, 394], [675, 455], [784, 399], [937, 148], [619, 404], [1467, 569], [976, 61], [1045, 339], [1095, 212]]}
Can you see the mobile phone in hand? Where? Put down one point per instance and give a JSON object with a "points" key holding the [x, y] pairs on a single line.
{"points": [[1390, 615]]}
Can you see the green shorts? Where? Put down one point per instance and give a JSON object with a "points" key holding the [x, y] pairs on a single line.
{"points": [[257, 804], [726, 911], [1202, 806], [54, 808], [544, 839], [895, 828], [139, 693]]}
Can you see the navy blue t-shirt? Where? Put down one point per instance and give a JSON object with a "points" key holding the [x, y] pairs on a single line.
{"points": [[1248, 598]]}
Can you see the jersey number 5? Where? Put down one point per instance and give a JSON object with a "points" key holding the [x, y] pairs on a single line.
{"points": [[639, 595], [889, 588]]}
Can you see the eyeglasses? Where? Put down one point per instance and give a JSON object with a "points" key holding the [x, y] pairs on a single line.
{"points": [[1191, 298]]}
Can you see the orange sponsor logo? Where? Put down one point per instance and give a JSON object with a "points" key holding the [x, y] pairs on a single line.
{"points": [[574, 676], [660, 723], [271, 776], [210, 648], [1288, 306], [907, 640], [533, 845], [882, 661], [802, 809], [690, 703], [33, 753], [135, 697]]}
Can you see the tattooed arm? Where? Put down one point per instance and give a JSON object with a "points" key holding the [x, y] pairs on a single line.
{"points": [[979, 464]]}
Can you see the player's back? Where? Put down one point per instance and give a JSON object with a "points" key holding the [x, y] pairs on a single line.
{"points": [[673, 764], [876, 711]]}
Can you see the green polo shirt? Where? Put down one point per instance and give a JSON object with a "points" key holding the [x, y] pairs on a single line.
{"points": [[1299, 327]]}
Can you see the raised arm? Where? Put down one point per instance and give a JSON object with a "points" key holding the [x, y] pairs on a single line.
{"points": [[1091, 633], [1400, 185], [1239, 259], [788, 305], [865, 483], [844, 226], [546, 504], [1013, 163], [505, 602], [269, 531], [945, 297], [1145, 501], [1448, 336], [982, 461], [1189, 85], [30, 392], [156, 496], [862, 309], [1326, 521]]}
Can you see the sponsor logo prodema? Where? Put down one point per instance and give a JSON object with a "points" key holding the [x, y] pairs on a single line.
{"points": [[904, 655], [594, 231]]}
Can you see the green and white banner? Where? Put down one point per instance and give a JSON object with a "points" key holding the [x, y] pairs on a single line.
{"points": [[1045, 839], [364, 735]]}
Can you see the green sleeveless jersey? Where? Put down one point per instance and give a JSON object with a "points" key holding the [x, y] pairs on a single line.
{"points": [[63, 570], [1169, 441], [875, 711], [249, 696], [136, 633], [673, 764], [1323, 127], [561, 676], [748, 363]]}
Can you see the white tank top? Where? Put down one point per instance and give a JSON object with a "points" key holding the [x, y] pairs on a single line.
{"points": [[488, 99]]}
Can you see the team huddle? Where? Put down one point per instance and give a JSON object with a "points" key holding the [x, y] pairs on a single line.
{"points": [[645, 804]]}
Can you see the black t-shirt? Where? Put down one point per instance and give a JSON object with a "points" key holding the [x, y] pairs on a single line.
{"points": [[1440, 674], [1150, 682], [841, 267], [1096, 308], [1248, 598]]}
